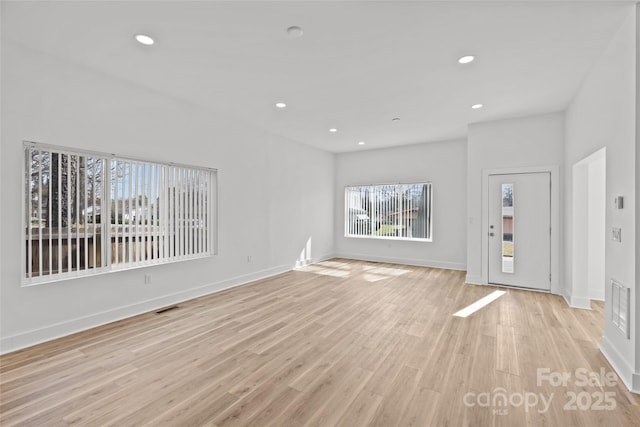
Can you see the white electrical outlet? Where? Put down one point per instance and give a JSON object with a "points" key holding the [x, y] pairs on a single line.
{"points": [[249, 258], [147, 279], [616, 234]]}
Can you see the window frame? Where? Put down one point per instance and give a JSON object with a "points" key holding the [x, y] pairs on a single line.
{"points": [[211, 233], [428, 217]]}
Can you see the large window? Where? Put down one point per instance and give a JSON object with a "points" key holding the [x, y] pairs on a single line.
{"points": [[388, 211], [87, 213]]}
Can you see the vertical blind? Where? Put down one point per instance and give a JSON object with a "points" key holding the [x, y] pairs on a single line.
{"points": [[91, 212], [398, 211]]}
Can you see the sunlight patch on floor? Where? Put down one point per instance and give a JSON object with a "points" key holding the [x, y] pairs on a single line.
{"points": [[373, 277], [317, 269], [482, 302], [386, 271], [372, 273], [335, 264]]}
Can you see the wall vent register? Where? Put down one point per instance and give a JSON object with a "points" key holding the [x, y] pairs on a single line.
{"points": [[620, 307]]}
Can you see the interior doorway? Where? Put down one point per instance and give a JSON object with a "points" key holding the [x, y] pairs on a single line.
{"points": [[589, 227]]}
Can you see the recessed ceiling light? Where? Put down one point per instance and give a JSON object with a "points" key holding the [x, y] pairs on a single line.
{"points": [[466, 59], [361, 143], [280, 104], [476, 106], [395, 119], [333, 130], [144, 39], [295, 32]]}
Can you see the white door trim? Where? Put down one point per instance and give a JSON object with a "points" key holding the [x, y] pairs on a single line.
{"points": [[556, 256]]}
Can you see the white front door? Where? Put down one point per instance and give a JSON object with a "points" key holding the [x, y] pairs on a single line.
{"points": [[520, 230]]}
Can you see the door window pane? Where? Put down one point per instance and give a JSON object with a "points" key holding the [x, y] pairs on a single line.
{"points": [[507, 228]]}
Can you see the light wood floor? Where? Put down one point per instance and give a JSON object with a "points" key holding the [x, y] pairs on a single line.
{"points": [[342, 343]]}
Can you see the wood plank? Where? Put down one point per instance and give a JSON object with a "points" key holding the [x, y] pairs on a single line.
{"points": [[339, 343]]}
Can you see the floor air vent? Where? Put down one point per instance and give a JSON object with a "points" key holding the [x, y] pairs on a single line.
{"points": [[164, 310]]}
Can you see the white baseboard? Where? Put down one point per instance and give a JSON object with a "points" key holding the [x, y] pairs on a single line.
{"points": [[576, 302], [51, 332], [407, 261], [630, 378], [581, 302]]}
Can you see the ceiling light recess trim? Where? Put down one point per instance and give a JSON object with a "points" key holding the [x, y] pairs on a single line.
{"points": [[333, 130], [466, 59], [295, 31], [361, 143], [280, 105], [477, 106]]}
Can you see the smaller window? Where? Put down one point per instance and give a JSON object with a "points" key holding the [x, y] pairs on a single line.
{"points": [[389, 211]]}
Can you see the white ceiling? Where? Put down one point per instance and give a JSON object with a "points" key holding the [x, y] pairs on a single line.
{"points": [[358, 65]]}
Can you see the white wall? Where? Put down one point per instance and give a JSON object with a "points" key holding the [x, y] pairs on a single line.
{"points": [[636, 378], [596, 209], [443, 164], [274, 195], [300, 185], [603, 114], [510, 145]]}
